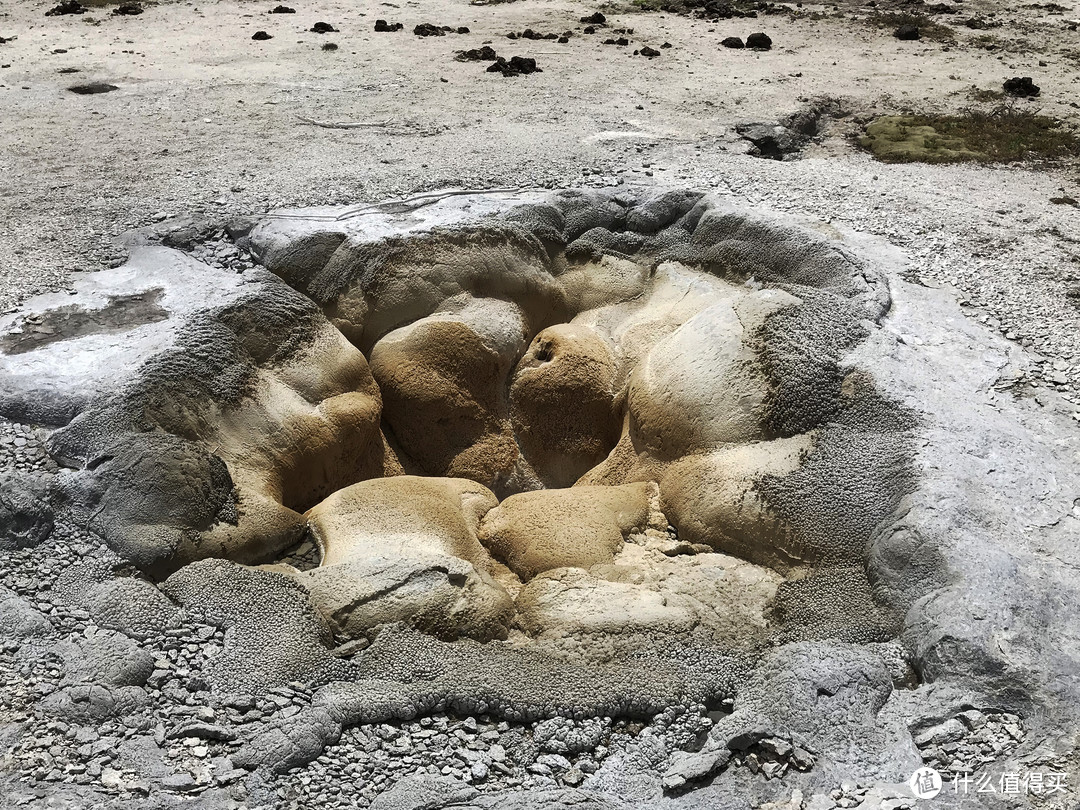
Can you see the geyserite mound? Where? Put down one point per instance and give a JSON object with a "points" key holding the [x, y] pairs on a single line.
{"points": [[571, 454]]}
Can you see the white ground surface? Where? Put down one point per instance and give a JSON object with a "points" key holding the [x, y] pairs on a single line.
{"points": [[207, 120]]}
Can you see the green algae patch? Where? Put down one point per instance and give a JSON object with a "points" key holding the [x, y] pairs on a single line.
{"points": [[911, 139], [998, 136]]}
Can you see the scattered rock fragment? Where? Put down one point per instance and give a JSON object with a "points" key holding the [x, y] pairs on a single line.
{"points": [[621, 41], [947, 732], [127, 10], [759, 42], [958, 743], [203, 731], [430, 30], [786, 137], [528, 33], [92, 88], [426, 790], [329, 46], [594, 19], [516, 66], [323, 28], [25, 516], [19, 619], [462, 29], [67, 7], [732, 42], [260, 36], [1021, 86], [288, 743], [907, 33], [282, 10], [179, 783], [589, 29], [647, 51], [1065, 200], [685, 767], [484, 54], [92, 703], [105, 658], [7, 39], [382, 26]]}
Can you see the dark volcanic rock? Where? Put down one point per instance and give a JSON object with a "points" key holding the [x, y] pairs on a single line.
{"points": [[759, 42], [906, 32], [524, 64], [7, 39], [323, 28], [788, 135], [1021, 86], [329, 46], [649, 52], [382, 26], [732, 42], [429, 30], [484, 54], [770, 140], [67, 7], [282, 10], [127, 10], [595, 19], [92, 88], [260, 36], [517, 66], [528, 33]]}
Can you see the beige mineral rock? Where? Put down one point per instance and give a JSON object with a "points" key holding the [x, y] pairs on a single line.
{"points": [[555, 528]]}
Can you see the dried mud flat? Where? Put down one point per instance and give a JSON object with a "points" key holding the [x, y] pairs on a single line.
{"points": [[208, 129]]}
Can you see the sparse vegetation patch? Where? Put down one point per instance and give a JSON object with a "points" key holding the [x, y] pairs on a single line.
{"points": [[1002, 135], [928, 29]]}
